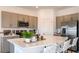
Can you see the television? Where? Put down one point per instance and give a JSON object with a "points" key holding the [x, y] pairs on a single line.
{"points": [[23, 24]]}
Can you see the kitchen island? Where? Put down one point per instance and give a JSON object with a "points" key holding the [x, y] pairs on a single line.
{"points": [[20, 44]]}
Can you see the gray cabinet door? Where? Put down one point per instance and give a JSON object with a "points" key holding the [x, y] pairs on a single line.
{"points": [[74, 18], [0, 44], [66, 20], [78, 16], [14, 20], [33, 22], [5, 46], [6, 19], [56, 22], [59, 21], [69, 20]]}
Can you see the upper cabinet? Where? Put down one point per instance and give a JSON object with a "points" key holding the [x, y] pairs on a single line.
{"points": [[14, 20], [23, 18], [10, 20], [66, 20], [33, 22], [6, 20], [74, 18], [59, 21], [70, 20]]}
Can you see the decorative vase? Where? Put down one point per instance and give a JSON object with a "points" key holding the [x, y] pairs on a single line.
{"points": [[27, 40], [34, 39]]}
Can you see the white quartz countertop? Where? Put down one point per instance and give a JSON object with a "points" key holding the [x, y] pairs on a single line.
{"points": [[49, 40]]}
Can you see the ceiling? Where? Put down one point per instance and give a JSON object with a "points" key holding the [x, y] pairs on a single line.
{"points": [[45, 7]]}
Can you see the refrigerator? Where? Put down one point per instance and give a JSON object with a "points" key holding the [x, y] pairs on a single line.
{"points": [[71, 30]]}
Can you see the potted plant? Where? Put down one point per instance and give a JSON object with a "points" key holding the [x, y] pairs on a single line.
{"points": [[27, 36]]}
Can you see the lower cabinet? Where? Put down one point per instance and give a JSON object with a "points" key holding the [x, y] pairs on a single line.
{"points": [[18, 49], [0, 44], [5, 46]]}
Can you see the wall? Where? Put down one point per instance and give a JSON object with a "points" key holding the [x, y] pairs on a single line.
{"points": [[67, 11], [46, 21]]}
